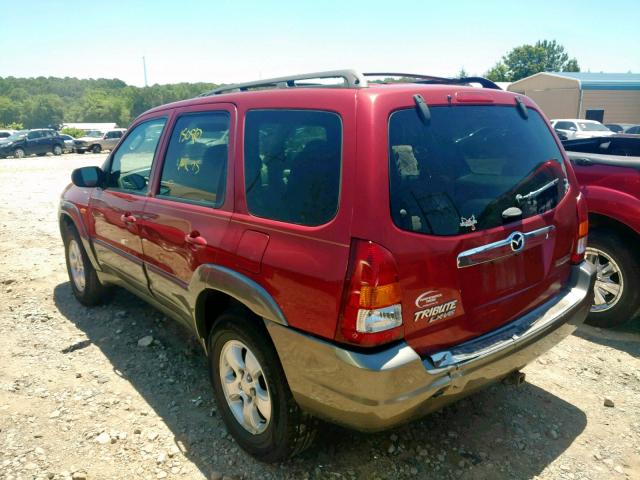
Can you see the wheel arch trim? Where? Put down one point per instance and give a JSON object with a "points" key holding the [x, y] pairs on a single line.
{"points": [[71, 211], [237, 286]]}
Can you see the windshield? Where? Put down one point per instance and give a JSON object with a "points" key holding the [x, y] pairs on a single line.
{"points": [[593, 127], [93, 133], [468, 165], [17, 135]]}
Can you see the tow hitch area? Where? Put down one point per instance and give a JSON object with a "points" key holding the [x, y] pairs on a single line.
{"points": [[514, 378]]}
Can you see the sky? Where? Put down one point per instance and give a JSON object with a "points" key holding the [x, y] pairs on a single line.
{"points": [[232, 41]]}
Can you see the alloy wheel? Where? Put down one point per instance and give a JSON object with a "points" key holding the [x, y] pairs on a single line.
{"points": [[609, 284], [76, 265], [245, 387]]}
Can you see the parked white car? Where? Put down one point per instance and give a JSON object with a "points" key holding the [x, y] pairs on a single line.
{"points": [[579, 128]]}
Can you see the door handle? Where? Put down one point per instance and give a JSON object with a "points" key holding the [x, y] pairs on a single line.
{"points": [[194, 238], [127, 218]]}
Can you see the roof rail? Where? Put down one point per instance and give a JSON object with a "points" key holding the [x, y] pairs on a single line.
{"points": [[352, 79], [432, 80]]}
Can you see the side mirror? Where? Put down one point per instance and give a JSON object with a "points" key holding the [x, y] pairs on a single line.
{"points": [[88, 177]]}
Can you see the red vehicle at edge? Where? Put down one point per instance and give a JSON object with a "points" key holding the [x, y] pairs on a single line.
{"points": [[611, 185], [363, 253]]}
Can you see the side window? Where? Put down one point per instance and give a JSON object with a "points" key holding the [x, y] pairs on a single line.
{"points": [[131, 163], [195, 166], [34, 135], [292, 161]]}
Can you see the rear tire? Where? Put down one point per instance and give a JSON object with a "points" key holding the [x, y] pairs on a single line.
{"points": [[280, 431], [617, 289], [83, 278]]}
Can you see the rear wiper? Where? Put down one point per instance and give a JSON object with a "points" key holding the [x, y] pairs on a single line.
{"points": [[535, 193]]}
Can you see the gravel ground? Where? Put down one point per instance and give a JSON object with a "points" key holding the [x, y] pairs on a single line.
{"points": [[79, 398]]}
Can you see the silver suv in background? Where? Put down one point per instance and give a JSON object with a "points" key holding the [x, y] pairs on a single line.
{"points": [[95, 141], [571, 128]]}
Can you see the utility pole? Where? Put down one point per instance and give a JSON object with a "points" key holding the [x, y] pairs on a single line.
{"points": [[144, 66]]}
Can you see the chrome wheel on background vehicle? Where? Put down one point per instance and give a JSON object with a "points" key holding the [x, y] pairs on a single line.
{"points": [[245, 387], [76, 265], [609, 280], [616, 293], [57, 150], [18, 153]]}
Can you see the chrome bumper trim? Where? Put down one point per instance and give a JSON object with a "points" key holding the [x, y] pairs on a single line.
{"points": [[485, 253]]}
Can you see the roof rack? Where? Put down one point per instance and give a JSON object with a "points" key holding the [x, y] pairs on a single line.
{"points": [[351, 79]]}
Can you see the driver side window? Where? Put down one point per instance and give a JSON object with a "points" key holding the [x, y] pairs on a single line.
{"points": [[131, 163]]}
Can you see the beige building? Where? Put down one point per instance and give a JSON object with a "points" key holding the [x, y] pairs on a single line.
{"points": [[606, 97]]}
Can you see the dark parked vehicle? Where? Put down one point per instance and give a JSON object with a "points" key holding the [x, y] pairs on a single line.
{"points": [[619, 144], [32, 142], [635, 130], [364, 253], [618, 127], [608, 170]]}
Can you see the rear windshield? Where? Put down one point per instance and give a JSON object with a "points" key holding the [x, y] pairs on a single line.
{"points": [[465, 168], [593, 127]]}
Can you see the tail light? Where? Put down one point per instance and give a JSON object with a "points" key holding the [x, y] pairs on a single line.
{"points": [[577, 256], [371, 311]]}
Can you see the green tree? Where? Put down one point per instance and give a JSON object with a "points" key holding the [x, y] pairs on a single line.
{"points": [[498, 73], [527, 60], [9, 111], [462, 73], [43, 111], [74, 132]]}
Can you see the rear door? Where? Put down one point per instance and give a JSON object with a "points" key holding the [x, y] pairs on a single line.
{"points": [[34, 142], [116, 210], [483, 225], [185, 221]]}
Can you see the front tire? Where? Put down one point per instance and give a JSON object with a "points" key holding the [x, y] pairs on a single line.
{"points": [[19, 153], [84, 281], [96, 149], [617, 288], [252, 393], [57, 150]]}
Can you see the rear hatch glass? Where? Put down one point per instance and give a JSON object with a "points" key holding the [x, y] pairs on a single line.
{"points": [[463, 182], [460, 172]]}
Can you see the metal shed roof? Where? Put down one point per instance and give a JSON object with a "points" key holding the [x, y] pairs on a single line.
{"points": [[603, 81]]}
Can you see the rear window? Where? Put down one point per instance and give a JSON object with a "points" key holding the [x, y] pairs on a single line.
{"points": [[461, 171], [592, 127], [292, 165]]}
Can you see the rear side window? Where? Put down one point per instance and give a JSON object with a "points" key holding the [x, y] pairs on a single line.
{"points": [[468, 165], [195, 167], [565, 126], [292, 165]]}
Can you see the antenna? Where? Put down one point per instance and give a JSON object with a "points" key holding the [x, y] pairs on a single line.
{"points": [[144, 67]]}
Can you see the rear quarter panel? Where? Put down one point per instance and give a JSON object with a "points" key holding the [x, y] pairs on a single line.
{"points": [[302, 267], [612, 191]]}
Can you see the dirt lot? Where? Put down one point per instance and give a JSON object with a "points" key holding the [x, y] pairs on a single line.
{"points": [[80, 399]]}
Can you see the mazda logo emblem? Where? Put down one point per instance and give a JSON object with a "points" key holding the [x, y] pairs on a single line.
{"points": [[516, 240]]}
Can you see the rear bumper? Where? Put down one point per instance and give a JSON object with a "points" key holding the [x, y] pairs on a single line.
{"points": [[374, 391]]}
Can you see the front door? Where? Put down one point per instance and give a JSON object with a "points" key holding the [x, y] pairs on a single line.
{"points": [[116, 210], [185, 220]]}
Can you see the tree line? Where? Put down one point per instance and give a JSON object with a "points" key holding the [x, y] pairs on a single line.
{"points": [[50, 101]]}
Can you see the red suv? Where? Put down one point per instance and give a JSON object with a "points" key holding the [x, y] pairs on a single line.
{"points": [[362, 252]]}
